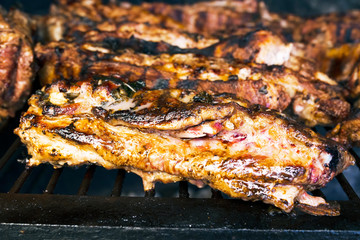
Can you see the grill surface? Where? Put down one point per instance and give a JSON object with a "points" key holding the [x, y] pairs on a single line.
{"points": [[92, 202]]}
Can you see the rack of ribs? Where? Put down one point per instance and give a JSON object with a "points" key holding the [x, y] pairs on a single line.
{"points": [[244, 150]]}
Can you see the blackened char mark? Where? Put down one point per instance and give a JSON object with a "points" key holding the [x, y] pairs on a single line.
{"points": [[228, 43], [99, 112], [334, 152], [10, 88], [187, 84], [203, 97], [201, 20], [51, 110], [154, 117], [178, 15], [78, 137], [143, 46], [161, 84]]}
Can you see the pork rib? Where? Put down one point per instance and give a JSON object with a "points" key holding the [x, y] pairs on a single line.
{"points": [[170, 135]]}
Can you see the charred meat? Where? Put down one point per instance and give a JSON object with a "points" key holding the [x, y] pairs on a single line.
{"points": [[316, 100], [170, 135], [16, 59]]}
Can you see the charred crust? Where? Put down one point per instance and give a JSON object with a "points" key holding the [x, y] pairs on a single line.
{"points": [[334, 152], [199, 70], [161, 83], [70, 133], [99, 112], [329, 209], [51, 110], [233, 78], [263, 90], [71, 96], [203, 97], [292, 172], [39, 92], [29, 117], [156, 117], [187, 84], [201, 20]]}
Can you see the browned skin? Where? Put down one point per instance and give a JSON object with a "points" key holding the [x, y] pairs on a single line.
{"points": [[16, 58], [172, 135]]}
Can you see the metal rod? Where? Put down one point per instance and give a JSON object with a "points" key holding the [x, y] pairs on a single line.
{"points": [[216, 194], [53, 181], [20, 181], [357, 158], [183, 189], [85, 184], [116, 192], [150, 193], [347, 188], [9, 152]]}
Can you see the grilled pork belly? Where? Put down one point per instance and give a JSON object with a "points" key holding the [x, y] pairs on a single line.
{"points": [[16, 58], [171, 135], [316, 100]]}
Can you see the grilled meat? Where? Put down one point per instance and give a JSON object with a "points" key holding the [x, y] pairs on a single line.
{"points": [[316, 100], [91, 21], [220, 18], [342, 64], [84, 19], [16, 58], [187, 71], [171, 135], [348, 131]]}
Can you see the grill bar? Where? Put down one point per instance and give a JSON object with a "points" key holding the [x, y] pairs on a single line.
{"points": [[183, 189], [216, 194], [347, 188], [9, 152], [85, 184], [116, 191], [53, 181], [20, 181]]}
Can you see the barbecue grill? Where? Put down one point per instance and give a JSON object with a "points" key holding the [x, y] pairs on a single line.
{"points": [[91, 202]]}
